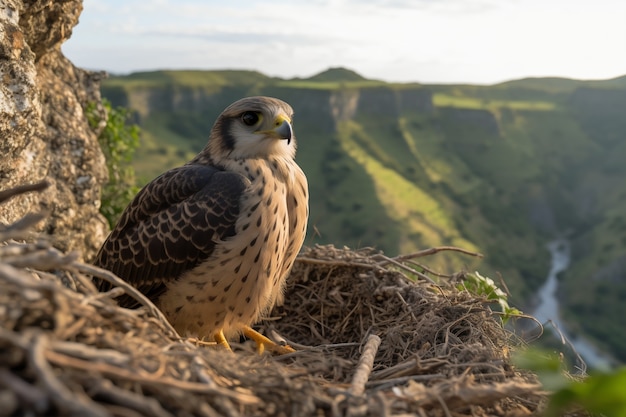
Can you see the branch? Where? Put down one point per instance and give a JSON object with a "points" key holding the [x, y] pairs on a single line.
{"points": [[364, 368]]}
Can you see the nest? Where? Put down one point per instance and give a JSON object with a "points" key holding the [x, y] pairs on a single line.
{"points": [[369, 342]]}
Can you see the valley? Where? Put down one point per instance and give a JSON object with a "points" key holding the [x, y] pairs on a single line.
{"points": [[499, 169]]}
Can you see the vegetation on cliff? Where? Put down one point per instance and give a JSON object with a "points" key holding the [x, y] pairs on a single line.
{"points": [[118, 140]]}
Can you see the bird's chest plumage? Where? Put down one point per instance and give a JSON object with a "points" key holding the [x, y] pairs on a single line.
{"points": [[245, 275]]}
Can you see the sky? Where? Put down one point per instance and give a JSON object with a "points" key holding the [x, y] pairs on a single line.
{"points": [[427, 41]]}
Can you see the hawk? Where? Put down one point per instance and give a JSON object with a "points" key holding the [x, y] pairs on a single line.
{"points": [[211, 242]]}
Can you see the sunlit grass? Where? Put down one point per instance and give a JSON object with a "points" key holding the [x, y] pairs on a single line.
{"points": [[404, 201], [329, 85], [189, 78], [444, 100]]}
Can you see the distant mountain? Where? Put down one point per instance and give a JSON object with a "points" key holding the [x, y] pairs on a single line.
{"points": [[337, 74], [562, 85], [499, 169], [550, 84]]}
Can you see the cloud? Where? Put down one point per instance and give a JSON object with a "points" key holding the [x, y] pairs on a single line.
{"points": [[402, 40], [233, 36], [435, 6]]}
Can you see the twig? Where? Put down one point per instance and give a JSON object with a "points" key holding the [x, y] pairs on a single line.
{"points": [[21, 189], [406, 306], [393, 261], [464, 391], [364, 368], [129, 375], [383, 384], [145, 405], [565, 341], [86, 352], [444, 407], [411, 366], [60, 394], [44, 260], [432, 251], [29, 394], [17, 229], [112, 293], [334, 262], [431, 271], [129, 289]]}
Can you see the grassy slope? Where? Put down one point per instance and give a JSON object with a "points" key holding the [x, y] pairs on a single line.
{"points": [[417, 180]]}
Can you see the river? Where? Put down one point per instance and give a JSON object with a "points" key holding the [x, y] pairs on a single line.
{"points": [[548, 307]]}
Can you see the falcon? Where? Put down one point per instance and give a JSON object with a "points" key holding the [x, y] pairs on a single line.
{"points": [[212, 242]]}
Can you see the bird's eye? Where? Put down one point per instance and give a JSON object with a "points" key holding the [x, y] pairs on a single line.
{"points": [[250, 118]]}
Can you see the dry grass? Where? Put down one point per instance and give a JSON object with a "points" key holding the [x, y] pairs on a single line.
{"points": [[370, 342]]}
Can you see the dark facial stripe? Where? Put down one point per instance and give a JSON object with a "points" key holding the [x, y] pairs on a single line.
{"points": [[227, 137]]}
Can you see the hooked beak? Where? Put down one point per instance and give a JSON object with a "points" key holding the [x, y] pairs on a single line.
{"points": [[282, 129]]}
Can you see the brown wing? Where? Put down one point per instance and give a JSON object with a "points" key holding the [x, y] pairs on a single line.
{"points": [[171, 226]]}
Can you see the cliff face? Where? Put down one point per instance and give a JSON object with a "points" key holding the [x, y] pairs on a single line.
{"points": [[45, 135], [326, 108]]}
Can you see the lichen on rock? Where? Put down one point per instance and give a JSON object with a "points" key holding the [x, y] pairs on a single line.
{"points": [[45, 134]]}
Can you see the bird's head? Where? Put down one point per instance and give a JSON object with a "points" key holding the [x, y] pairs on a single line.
{"points": [[253, 127]]}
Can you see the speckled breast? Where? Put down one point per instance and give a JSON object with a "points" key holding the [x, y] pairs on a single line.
{"points": [[246, 274]]}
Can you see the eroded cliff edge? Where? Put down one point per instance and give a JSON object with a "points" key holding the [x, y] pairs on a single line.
{"points": [[43, 129]]}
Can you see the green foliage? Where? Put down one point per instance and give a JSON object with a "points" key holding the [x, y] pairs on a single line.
{"points": [[118, 141], [481, 286], [601, 393]]}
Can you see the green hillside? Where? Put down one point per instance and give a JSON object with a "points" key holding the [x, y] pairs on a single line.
{"points": [[498, 169]]}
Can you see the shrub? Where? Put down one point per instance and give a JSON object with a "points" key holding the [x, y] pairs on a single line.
{"points": [[118, 140]]}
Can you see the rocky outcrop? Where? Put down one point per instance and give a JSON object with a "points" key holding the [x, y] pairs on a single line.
{"points": [[44, 132]]}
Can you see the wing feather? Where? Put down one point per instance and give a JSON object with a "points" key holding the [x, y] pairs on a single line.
{"points": [[172, 225]]}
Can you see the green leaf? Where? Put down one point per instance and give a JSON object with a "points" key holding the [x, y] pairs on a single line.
{"points": [[118, 141], [481, 286], [602, 393]]}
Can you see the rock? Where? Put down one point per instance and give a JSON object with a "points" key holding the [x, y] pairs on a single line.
{"points": [[44, 131]]}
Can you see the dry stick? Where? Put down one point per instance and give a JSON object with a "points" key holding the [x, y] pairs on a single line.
{"points": [[129, 289], [112, 293], [407, 307], [32, 395], [18, 229], [434, 250], [24, 280], [128, 399], [59, 393], [444, 407], [129, 375], [21, 189], [565, 341], [44, 259], [315, 261], [364, 368], [387, 260], [89, 353], [385, 384], [414, 264], [486, 394]]}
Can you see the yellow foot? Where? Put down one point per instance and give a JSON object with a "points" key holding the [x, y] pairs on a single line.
{"points": [[263, 342], [221, 340]]}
